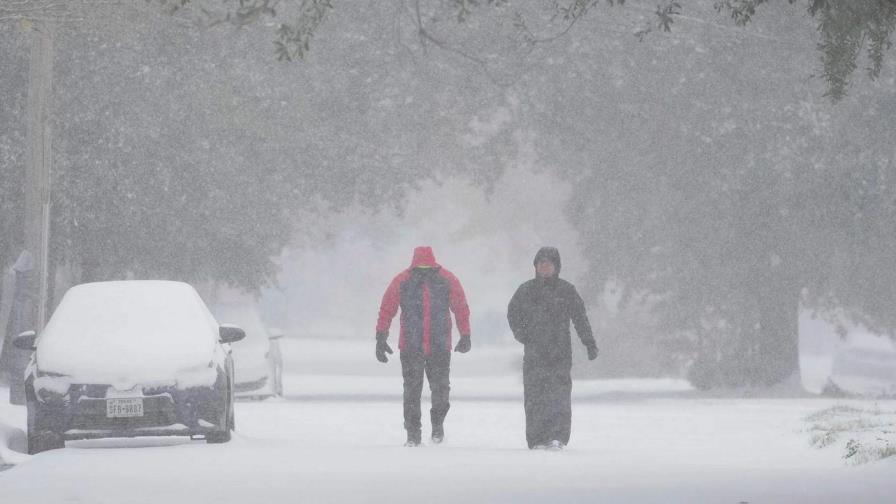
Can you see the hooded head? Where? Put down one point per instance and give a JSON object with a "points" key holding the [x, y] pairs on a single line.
{"points": [[548, 254], [424, 258]]}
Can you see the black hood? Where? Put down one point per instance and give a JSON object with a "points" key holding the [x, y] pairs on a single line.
{"points": [[551, 254]]}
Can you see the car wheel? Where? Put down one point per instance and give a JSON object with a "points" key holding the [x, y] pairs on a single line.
{"points": [[218, 437], [38, 440], [223, 435]]}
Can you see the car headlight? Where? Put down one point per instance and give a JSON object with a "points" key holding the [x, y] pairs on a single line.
{"points": [[51, 387]]}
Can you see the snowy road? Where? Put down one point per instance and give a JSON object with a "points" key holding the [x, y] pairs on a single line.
{"points": [[338, 439]]}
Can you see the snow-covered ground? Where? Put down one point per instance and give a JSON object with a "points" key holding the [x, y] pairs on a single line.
{"points": [[337, 437]]}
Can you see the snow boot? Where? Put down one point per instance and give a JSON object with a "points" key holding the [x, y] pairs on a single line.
{"points": [[438, 433], [555, 445], [413, 438]]}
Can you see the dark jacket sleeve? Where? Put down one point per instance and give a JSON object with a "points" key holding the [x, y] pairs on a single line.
{"points": [[580, 319], [517, 316]]}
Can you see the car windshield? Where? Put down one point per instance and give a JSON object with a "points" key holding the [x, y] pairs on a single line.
{"points": [[130, 330]]}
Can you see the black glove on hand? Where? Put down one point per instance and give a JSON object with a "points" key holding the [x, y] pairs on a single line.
{"points": [[592, 351], [463, 345], [382, 348]]}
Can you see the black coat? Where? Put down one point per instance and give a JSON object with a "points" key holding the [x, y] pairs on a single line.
{"points": [[540, 313]]}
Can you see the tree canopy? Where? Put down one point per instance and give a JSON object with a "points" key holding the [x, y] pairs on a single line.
{"points": [[847, 29]]}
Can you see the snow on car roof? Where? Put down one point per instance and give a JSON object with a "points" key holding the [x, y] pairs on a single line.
{"points": [[138, 330]]}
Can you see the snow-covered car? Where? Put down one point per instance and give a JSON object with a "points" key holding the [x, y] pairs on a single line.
{"points": [[865, 364], [257, 361], [127, 359]]}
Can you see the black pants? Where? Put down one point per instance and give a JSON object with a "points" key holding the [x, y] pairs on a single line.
{"points": [[547, 391], [436, 367]]}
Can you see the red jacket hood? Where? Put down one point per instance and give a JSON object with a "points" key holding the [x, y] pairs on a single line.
{"points": [[423, 256]]}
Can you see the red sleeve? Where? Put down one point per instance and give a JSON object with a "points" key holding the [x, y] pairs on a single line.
{"points": [[458, 301], [389, 305]]}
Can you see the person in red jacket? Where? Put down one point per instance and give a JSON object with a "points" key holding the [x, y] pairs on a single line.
{"points": [[426, 293]]}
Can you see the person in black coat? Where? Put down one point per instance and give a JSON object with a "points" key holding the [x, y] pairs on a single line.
{"points": [[539, 315]]}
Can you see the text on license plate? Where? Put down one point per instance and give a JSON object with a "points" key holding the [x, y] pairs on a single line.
{"points": [[123, 408]]}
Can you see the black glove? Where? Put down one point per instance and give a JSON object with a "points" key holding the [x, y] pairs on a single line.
{"points": [[592, 351], [463, 345], [382, 348]]}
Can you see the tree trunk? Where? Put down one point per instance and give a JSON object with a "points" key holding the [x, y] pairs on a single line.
{"points": [[777, 337], [760, 347]]}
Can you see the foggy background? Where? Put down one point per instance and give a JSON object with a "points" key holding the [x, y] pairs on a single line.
{"points": [[674, 173]]}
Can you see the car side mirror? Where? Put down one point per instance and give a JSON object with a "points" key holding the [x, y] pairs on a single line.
{"points": [[26, 341], [275, 333], [230, 333]]}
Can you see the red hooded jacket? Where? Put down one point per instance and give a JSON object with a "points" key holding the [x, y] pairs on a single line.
{"points": [[425, 292]]}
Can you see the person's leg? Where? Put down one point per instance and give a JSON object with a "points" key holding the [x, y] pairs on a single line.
{"points": [[438, 368], [532, 438], [564, 396], [412, 364], [557, 403], [535, 404], [562, 399]]}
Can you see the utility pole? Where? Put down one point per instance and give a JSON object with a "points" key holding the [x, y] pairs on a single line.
{"points": [[40, 164], [31, 278]]}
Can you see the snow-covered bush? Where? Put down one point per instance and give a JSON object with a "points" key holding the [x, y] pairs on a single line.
{"points": [[869, 433]]}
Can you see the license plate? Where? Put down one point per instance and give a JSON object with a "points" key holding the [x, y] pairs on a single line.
{"points": [[124, 408]]}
